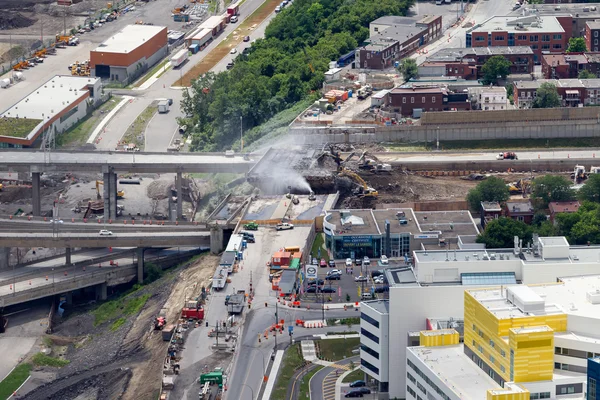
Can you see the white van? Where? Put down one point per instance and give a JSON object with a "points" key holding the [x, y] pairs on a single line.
{"points": [[234, 19], [366, 296], [277, 9]]}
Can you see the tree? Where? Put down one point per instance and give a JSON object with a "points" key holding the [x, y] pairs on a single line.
{"points": [[492, 189], [577, 45], [550, 188], [494, 67], [585, 74], [591, 190], [546, 96], [581, 227], [500, 233], [408, 68]]}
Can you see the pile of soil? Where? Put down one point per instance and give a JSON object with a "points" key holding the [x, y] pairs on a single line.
{"points": [[14, 20], [11, 194], [159, 190]]}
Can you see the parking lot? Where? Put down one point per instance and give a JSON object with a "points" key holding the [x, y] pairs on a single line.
{"points": [[346, 288]]}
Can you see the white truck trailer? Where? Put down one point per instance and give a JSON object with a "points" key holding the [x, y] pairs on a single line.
{"points": [[179, 58]]}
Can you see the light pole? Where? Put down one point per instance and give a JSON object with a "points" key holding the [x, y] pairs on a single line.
{"points": [[251, 390], [241, 134]]}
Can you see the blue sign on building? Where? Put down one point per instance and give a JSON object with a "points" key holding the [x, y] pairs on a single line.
{"points": [[356, 241]]}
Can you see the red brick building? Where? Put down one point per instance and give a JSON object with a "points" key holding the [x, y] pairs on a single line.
{"points": [[466, 63], [544, 34], [427, 98], [592, 35], [563, 66], [557, 207], [572, 92], [393, 38], [519, 211]]}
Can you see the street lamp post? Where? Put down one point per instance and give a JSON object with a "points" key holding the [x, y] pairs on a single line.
{"points": [[251, 390], [241, 134]]}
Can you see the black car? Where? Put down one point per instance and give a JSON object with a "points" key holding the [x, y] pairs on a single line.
{"points": [[331, 264], [333, 277], [312, 289], [358, 383], [354, 393], [249, 234], [365, 390], [328, 289], [358, 262], [376, 273], [382, 289], [249, 239], [318, 281]]}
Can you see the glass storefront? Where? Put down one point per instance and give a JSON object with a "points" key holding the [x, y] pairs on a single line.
{"points": [[348, 246]]}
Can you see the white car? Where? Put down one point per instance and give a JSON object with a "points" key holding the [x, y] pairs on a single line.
{"points": [[348, 262], [334, 271], [378, 279], [233, 51], [360, 278], [384, 260], [105, 232], [284, 226]]}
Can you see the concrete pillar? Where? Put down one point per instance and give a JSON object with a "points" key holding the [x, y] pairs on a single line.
{"points": [[4, 257], [68, 255], [140, 259], [69, 298], [101, 291], [216, 240], [110, 195], [35, 192], [178, 183]]}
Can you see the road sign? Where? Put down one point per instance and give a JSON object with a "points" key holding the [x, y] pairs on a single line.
{"points": [[311, 272], [291, 329]]}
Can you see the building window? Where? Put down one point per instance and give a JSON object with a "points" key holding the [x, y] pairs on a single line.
{"points": [[423, 100], [474, 343], [474, 327], [479, 38], [404, 100], [533, 38], [412, 100], [491, 358], [369, 335], [480, 333], [521, 37], [557, 46], [411, 378], [433, 99], [545, 47], [534, 47], [71, 112], [411, 391], [502, 369], [369, 366], [557, 37], [499, 38], [370, 351], [545, 38], [492, 343], [592, 386], [370, 320], [595, 41], [595, 33], [421, 388], [480, 349]]}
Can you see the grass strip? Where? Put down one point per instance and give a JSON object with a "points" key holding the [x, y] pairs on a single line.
{"points": [[496, 144], [355, 375], [292, 361], [337, 349], [78, 134], [153, 71], [40, 359], [14, 380], [135, 132]]}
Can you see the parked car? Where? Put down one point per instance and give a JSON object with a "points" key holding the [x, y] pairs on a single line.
{"points": [[251, 226], [365, 390], [249, 239], [358, 383], [329, 289], [312, 289], [360, 278], [334, 271], [323, 263], [229, 65], [384, 260], [382, 289], [246, 38], [379, 279], [376, 273], [333, 277], [354, 393], [233, 51], [331, 263], [366, 260], [104, 232], [247, 234], [314, 261], [348, 262], [358, 262], [318, 281], [284, 226]]}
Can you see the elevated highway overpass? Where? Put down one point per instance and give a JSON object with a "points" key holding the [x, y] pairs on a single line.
{"points": [[110, 163]]}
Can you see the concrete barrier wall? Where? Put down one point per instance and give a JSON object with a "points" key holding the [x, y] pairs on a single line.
{"points": [[447, 132]]}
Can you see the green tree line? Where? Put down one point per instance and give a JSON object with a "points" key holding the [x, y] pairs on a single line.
{"points": [[281, 69]]}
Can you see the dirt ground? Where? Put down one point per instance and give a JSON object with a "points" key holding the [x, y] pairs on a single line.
{"points": [[125, 363]]}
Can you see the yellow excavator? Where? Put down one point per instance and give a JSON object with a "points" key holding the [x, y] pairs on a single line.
{"points": [[120, 193], [365, 190], [519, 187]]}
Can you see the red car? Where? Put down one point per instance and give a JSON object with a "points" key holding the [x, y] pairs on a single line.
{"points": [[323, 263]]}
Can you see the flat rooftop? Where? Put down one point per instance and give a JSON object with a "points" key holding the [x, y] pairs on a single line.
{"points": [[459, 53], [564, 10], [495, 301], [51, 98], [129, 38], [451, 365], [539, 24], [392, 35], [353, 222], [450, 223], [381, 306], [392, 215]]}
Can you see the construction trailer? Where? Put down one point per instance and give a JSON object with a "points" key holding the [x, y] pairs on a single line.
{"points": [[219, 280], [214, 377]]}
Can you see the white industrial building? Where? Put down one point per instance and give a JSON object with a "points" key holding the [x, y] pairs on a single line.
{"points": [[434, 288], [56, 105], [488, 98]]}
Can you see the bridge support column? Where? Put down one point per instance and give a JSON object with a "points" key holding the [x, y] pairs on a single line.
{"points": [[178, 183], [101, 292], [140, 260], [216, 239], [4, 257], [35, 193], [110, 195], [69, 298], [68, 255]]}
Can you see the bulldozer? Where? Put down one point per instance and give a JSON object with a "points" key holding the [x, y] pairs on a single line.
{"points": [[120, 193]]}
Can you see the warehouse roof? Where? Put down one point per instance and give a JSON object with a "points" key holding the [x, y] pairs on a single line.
{"points": [[129, 38], [50, 99]]}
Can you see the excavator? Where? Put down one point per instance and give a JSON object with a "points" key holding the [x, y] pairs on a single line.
{"points": [[521, 186], [120, 193], [364, 189], [369, 162]]}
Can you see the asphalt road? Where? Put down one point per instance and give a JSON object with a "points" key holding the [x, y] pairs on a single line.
{"points": [[488, 155], [322, 384]]}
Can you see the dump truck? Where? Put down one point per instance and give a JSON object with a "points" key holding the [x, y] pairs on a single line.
{"points": [[507, 155]]}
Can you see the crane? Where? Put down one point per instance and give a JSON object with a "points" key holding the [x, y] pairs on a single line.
{"points": [[120, 193], [366, 190]]}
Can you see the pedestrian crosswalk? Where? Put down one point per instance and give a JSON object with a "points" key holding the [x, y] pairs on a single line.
{"points": [[331, 378]]}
